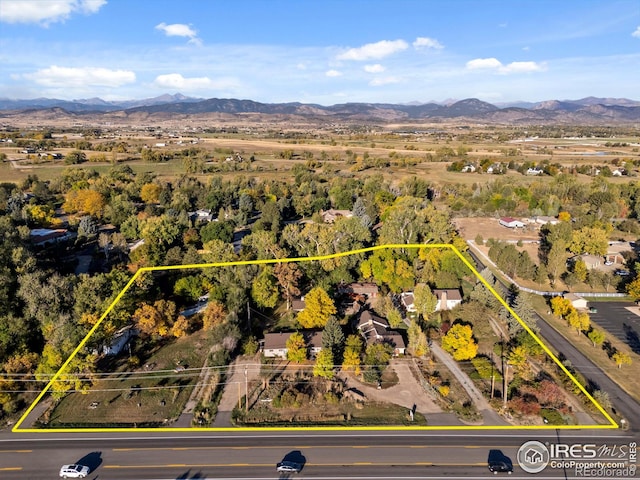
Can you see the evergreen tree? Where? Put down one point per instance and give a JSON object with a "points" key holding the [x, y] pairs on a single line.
{"points": [[333, 338]]}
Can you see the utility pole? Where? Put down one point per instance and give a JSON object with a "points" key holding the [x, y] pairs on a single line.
{"points": [[246, 391], [504, 375], [493, 376]]}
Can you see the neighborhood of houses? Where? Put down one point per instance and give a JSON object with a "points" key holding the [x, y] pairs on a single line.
{"points": [[373, 328]]}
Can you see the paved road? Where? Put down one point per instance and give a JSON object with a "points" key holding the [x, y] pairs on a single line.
{"points": [[624, 404], [327, 455]]}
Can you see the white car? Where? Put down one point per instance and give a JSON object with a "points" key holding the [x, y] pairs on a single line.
{"points": [[74, 471], [288, 467]]}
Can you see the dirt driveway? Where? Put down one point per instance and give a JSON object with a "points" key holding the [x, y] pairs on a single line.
{"points": [[407, 392]]}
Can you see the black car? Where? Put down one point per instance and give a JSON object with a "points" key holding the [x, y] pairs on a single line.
{"points": [[500, 466]]}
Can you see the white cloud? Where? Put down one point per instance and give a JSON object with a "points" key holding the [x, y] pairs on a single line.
{"points": [[636, 33], [497, 66], [377, 82], [482, 63], [376, 50], [333, 73], [175, 80], [179, 30], [377, 68], [45, 12], [426, 42], [523, 67], [78, 77]]}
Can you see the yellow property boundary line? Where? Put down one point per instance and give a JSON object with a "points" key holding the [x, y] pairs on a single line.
{"points": [[142, 270]]}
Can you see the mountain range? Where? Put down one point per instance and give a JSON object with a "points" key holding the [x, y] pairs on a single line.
{"points": [[590, 110]]}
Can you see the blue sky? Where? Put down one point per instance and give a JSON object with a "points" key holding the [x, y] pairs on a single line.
{"points": [[321, 51]]}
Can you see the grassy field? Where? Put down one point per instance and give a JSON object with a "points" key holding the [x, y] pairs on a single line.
{"points": [[153, 393], [407, 151]]}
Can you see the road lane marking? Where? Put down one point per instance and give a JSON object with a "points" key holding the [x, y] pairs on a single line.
{"points": [[299, 447], [307, 465], [16, 451], [10, 469]]}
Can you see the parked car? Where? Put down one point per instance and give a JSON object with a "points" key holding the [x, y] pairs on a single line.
{"points": [[500, 466], [288, 467], [622, 273], [74, 471]]}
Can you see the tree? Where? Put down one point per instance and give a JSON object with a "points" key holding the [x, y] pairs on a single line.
{"points": [[318, 308], [580, 270], [296, 348], [217, 231], [596, 336], [88, 226], [288, 275], [87, 201], [424, 300], [215, 314], [352, 354], [592, 240], [633, 289], [74, 157], [324, 364], [578, 320], [522, 307], [621, 358], [385, 268], [556, 260], [153, 319], [180, 327], [150, 193], [459, 342], [418, 344], [333, 338], [189, 287], [377, 356], [264, 289], [560, 306], [518, 358]]}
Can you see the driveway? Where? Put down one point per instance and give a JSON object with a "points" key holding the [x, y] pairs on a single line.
{"points": [[407, 392], [489, 415], [243, 372]]}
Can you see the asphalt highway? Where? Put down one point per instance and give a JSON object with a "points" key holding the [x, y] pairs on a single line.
{"points": [[253, 455]]}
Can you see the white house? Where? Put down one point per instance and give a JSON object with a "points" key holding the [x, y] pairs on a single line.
{"points": [[510, 222], [447, 298], [408, 300], [274, 345], [120, 340]]}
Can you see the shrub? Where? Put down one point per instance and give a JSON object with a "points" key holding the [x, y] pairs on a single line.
{"points": [[552, 417]]}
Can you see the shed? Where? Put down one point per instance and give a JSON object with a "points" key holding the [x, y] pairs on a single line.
{"points": [[578, 302]]}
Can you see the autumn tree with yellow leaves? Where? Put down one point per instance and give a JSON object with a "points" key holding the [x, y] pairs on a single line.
{"points": [[459, 342], [318, 307]]}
